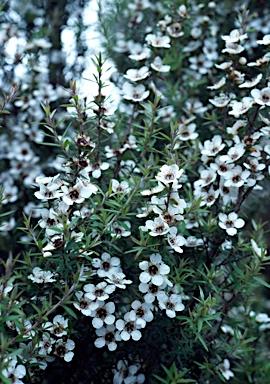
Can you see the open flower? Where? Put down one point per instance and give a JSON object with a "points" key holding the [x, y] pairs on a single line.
{"points": [[225, 369], [128, 327], [158, 41], [134, 93], [169, 174], [63, 349], [158, 227], [78, 193], [107, 336], [175, 241], [154, 271], [137, 74], [41, 277], [261, 97], [230, 223]]}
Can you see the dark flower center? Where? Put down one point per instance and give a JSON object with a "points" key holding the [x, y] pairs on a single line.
{"points": [[74, 194], [153, 270]]}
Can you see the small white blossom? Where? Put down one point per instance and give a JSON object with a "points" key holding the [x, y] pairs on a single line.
{"points": [[169, 174], [265, 40], [98, 292], [107, 336], [83, 304], [230, 223], [158, 41], [134, 93], [171, 304], [14, 371], [157, 227], [128, 327], [137, 74], [175, 241], [103, 314], [154, 271], [41, 277], [63, 349], [225, 369], [261, 97], [158, 65], [212, 147]]}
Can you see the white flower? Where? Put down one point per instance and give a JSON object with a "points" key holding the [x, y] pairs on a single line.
{"points": [[158, 41], [212, 147], [155, 271], [236, 177], [225, 369], [261, 61], [230, 223], [233, 154], [219, 84], [96, 168], [63, 348], [175, 241], [14, 372], [224, 66], [103, 314], [142, 312], [233, 48], [169, 174], [58, 326], [240, 107], [158, 65], [121, 230], [251, 83], [200, 64], [220, 166], [49, 191], [49, 219], [54, 243], [41, 277], [137, 74], [148, 192], [139, 52], [83, 304], [261, 97], [236, 127], [128, 327], [157, 227], [122, 187], [265, 40], [234, 36], [207, 176], [134, 93], [118, 279], [151, 290], [220, 101], [107, 336], [105, 264], [46, 344], [78, 193], [258, 251], [192, 241], [98, 292], [186, 132], [171, 304]]}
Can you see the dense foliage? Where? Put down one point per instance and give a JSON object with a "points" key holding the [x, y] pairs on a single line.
{"points": [[134, 222]]}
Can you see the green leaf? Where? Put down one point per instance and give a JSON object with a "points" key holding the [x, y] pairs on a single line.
{"points": [[70, 311], [261, 281]]}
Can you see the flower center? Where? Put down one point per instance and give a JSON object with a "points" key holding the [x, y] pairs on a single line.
{"points": [[153, 270], [102, 313], [74, 194], [129, 327]]}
